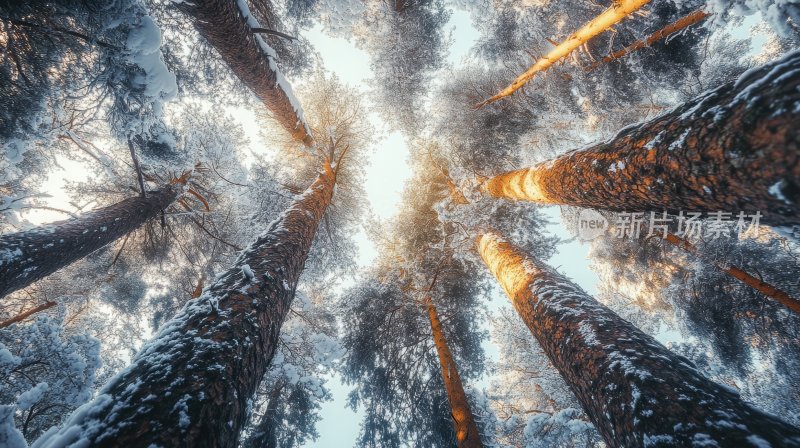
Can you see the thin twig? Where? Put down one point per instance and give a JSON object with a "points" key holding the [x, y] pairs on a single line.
{"points": [[137, 167]]}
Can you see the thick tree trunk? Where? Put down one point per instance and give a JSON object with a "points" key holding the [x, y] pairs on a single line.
{"points": [[190, 386], [466, 429], [634, 390], [28, 256], [264, 434], [739, 274], [678, 25], [608, 18], [223, 25], [26, 314], [736, 148]]}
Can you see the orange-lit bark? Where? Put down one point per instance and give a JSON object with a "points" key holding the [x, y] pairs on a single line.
{"points": [[736, 148], [221, 23], [26, 314], [634, 390], [739, 274], [611, 16], [191, 385], [678, 25], [199, 288], [466, 429]]}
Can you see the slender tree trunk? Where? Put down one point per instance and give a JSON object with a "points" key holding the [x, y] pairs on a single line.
{"points": [[608, 18], [759, 285], [222, 24], [634, 390], [736, 148], [678, 25], [26, 314], [466, 429], [28, 256], [264, 435], [198, 290], [191, 384]]}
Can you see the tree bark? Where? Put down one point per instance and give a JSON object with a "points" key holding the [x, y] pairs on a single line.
{"points": [[611, 16], [190, 386], [28, 256], [678, 25], [198, 289], [222, 24], [466, 429], [635, 391], [739, 274], [26, 314], [736, 148]]}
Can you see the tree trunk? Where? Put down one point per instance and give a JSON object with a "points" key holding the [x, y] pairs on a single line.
{"points": [[26, 314], [634, 390], [467, 435], [736, 148], [198, 289], [28, 256], [678, 25], [759, 285], [264, 435], [608, 18], [225, 28], [190, 386]]}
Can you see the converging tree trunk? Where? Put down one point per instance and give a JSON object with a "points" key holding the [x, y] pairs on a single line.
{"points": [[229, 29], [466, 429], [739, 274], [28, 256], [678, 25], [634, 390], [736, 148], [608, 18], [198, 289], [190, 385], [26, 314], [265, 434]]}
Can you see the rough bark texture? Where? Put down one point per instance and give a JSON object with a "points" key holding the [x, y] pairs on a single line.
{"points": [[223, 25], [611, 16], [26, 314], [678, 25], [28, 256], [759, 285], [466, 430], [190, 386], [736, 148], [634, 390]]}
